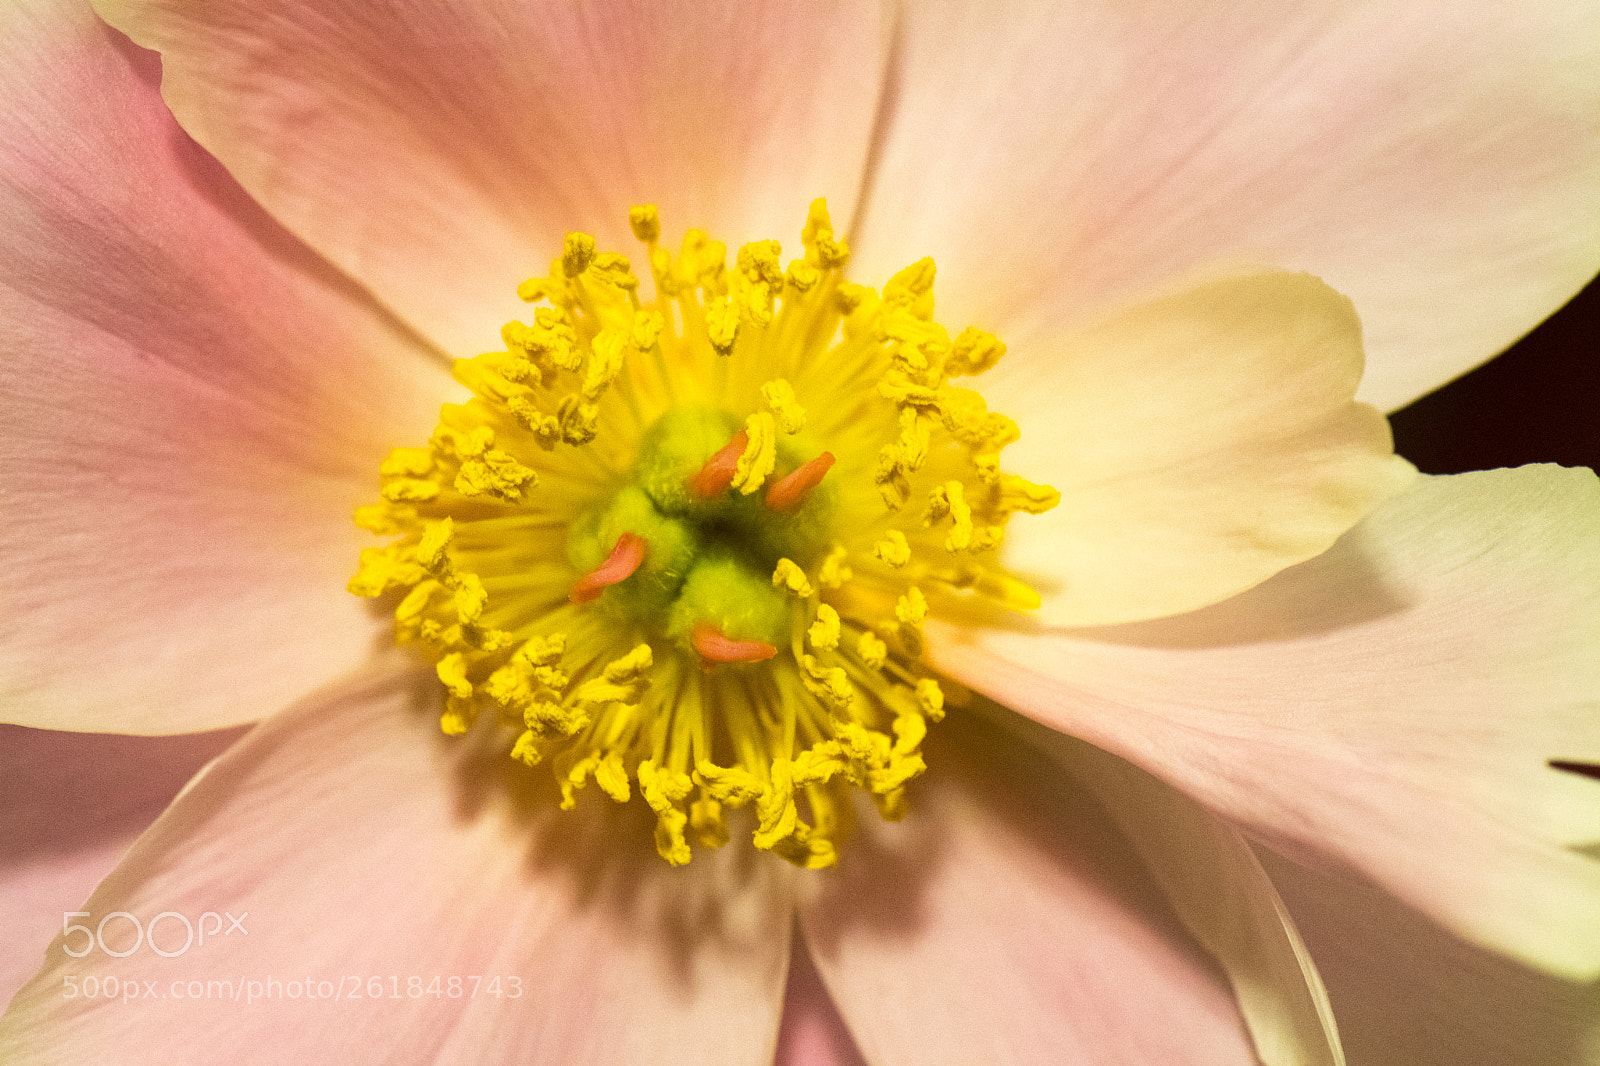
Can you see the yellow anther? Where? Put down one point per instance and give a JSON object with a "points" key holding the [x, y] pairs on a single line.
{"points": [[788, 575], [760, 453], [909, 731], [609, 268], [410, 490], [824, 632], [452, 670], [834, 573], [822, 250], [470, 598], [662, 787], [775, 807], [383, 569], [779, 396], [526, 749], [973, 352], [577, 254], [407, 462], [670, 842], [495, 474], [828, 683], [912, 608], [647, 327], [850, 297], [623, 680], [722, 325], [384, 519], [612, 777], [931, 696], [605, 364], [645, 222], [759, 261], [543, 651], [432, 549], [911, 290], [802, 276], [727, 784], [893, 549], [873, 651], [575, 777], [950, 499], [1020, 494], [457, 716], [819, 763]]}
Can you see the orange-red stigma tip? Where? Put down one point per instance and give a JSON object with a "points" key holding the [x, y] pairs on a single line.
{"points": [[790, 492], [715, 477], [624, 559], [713, 647]]}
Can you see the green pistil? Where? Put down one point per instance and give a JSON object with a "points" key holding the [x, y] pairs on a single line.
{"points": [[706, 561]]}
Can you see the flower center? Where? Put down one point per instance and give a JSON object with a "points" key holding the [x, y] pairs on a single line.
{"points": [[687, 546]]}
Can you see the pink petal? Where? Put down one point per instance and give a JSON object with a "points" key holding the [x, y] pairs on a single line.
{"points": [[1409, 994], [1218, 889], [1006, 921], [812, 1033], [193, 406], [1434, 161], [438, 151], [1389, 706], [70, 804], [1201, 442], [364, 844]]}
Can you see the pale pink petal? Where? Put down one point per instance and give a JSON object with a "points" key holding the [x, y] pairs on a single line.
{"points": [[1409, 994], [1201, 442], [1436, 161], [70, 804], [439, 151], [1389, 706], [362, 843], [812, 1033], [1218, 889], [1005, 921], [193, 405]]}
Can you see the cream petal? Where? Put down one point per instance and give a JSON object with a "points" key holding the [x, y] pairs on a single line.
{"points": [[362, 843], [1389, 706], [1434, 161], [193, 402], [439, 152], [70, 804], [1006, 921], [1201, 442], [1409, 994]]}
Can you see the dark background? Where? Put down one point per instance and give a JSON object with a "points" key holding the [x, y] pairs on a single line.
{"points": [[1539, 402]]}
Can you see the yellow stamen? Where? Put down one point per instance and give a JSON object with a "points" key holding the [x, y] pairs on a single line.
{"points": [[566, 552]]}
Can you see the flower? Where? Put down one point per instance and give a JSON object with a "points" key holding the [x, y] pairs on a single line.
{"points": [[179, 541]]}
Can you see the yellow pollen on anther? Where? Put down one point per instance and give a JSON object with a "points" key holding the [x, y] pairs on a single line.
{"points": [[682, 541]]}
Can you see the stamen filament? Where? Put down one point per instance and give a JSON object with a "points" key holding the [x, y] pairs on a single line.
{"points": [[714, 647], [790, 492], [624, 559], [715, 477]]}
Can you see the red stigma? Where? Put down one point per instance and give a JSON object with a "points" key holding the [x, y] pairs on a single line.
{"points": [[624, 559], [713, 647], [790, 492], [715, 477]]}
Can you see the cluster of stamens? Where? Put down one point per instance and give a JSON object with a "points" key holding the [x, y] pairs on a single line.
{"points": [[670, 547]]}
